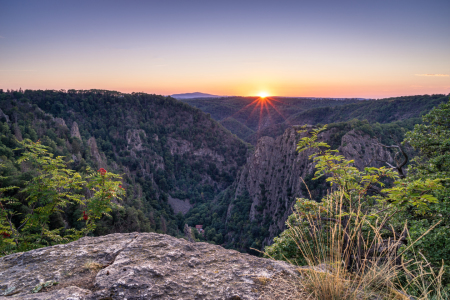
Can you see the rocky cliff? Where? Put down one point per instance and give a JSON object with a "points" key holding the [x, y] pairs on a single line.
{"points": [[140, 266], [272, 176]]}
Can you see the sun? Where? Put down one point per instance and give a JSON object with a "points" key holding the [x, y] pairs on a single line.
{"points": [[263, 95]]}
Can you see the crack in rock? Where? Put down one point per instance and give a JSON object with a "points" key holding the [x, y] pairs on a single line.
{"points": [[142, 266]]}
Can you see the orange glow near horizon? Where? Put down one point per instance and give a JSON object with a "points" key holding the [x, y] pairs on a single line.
{"points": [[164, 84], [301, 87]]}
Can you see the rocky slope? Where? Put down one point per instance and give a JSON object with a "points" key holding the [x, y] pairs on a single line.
{"points": [[139, 266], [171, 156], [272, 177]]}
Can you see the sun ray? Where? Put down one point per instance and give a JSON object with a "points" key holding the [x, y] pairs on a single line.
{"points": [[266, 106], [253, 111], [242, 109], [273, 99], [260, 116], [276, 109]]}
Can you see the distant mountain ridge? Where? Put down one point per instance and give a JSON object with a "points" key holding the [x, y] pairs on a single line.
{"points": [[194, 95], [244, 117]]}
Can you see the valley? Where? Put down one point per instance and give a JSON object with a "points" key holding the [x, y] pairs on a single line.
{"points": [[184, 174], [162, 148], [180, 166]]}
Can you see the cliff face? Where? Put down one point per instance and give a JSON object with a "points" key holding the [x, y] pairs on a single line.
{"points": [[139, 266], [99, 159], [272, 174], [74, 131]]}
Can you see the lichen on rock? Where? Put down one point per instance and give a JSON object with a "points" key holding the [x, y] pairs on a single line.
{"points": [[139, 266]]}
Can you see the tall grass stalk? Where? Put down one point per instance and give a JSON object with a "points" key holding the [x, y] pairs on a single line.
{"points": [[350, 257]]}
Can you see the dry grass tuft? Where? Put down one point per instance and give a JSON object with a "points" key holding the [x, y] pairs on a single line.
{"points": [[261, 280], [92, 265], [345, 262], [282, 286]]}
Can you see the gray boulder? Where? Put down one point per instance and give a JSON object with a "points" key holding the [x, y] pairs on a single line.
{"points": [[140, 266]]}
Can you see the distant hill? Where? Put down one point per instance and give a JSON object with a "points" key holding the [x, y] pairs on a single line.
{"points": [[381, 111], [194, 95], [249, 120], [244, 117]]}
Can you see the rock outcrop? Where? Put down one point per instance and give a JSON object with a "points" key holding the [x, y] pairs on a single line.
{"points": [[178, 205], [100, 159], [188, 233], [138, 266], [75, 131], [17, 132], [134, 139], [273, 173], [60, 122], [180, 146]]}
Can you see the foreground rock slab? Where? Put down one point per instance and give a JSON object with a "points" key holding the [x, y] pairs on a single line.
{"points": [[138, 266]]}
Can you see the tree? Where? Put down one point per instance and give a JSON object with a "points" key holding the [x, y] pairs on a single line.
{"points": [[432, 140], [53, 188]]}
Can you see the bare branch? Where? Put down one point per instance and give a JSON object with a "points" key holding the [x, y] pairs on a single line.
{"points": [[377, 190], [400, 165]]}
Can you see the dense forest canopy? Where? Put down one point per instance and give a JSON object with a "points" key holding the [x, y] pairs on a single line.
{"points": [[250, 118], [168, 153], [163, 148]]}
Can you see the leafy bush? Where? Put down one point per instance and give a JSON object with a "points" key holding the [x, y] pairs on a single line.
{"points": [[24, 223], [346, 225]]}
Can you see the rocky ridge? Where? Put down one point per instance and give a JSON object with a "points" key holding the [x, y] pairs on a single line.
{"points": [[138, 266], [273, 173]]}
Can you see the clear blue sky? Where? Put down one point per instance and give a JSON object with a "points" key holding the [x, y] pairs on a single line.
{"points": [[289, 48]]}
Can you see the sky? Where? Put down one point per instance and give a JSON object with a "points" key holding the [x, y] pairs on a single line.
{"points": [[321, 48]]}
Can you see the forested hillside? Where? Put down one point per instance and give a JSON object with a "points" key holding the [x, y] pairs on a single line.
{"points": [[374, 111], [180, 166], [170, 155], [250, 118], [245, 116]]}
